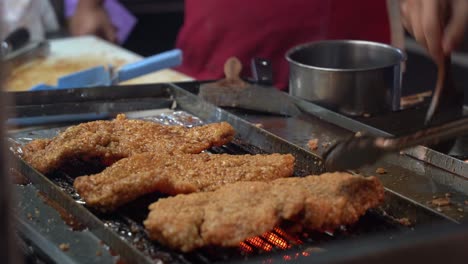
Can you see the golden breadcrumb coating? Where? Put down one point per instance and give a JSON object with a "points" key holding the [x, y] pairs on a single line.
{"points": [[132, 177], [109, 141], [238, 211]]}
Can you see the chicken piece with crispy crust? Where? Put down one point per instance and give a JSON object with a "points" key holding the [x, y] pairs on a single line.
{"points": [[135, 176], [109, 141], [238, 211]]}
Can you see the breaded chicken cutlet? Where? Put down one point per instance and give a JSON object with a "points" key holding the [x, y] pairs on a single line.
{"points": [[140, 174], [238, 211], [109, 141]]}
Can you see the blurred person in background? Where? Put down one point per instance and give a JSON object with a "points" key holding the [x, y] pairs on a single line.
{"points": [[37, 16], [214, 30], [107, 19]]}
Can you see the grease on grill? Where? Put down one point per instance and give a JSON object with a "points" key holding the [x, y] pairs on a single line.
{"points": [[443, 201], [313, 143], [404, 221], [18, 177], [120, 261], [381, 171], [64, 246], [71, 221]]}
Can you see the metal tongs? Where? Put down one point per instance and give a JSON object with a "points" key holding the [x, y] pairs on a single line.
{"points": [[359, 151], [444, 81]]}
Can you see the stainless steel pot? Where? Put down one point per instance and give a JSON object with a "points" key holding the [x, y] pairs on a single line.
{"points": [[355, 77]]}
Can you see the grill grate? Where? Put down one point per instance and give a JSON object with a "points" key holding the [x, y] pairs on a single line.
{"points": [[127, 222]]}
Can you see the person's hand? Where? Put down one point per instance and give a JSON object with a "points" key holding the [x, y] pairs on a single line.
{"points": [[91, 18], [438, 25]]}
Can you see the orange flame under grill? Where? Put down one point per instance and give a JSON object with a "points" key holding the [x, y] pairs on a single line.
{"points": [[246, 248], [283, 233], [259, 243], [277, 238]]}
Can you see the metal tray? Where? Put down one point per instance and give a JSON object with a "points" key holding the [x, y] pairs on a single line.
{"points": [[122, 232]]}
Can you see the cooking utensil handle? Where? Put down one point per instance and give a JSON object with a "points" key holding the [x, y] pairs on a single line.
{"points": [[395, 93], [427, 136], [150, 64], [95, 76], [42, 87], [15, 40], [262, 71]]}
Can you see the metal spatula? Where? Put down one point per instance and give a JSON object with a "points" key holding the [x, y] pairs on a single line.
{"points": [[356, 152], [232, 91]]}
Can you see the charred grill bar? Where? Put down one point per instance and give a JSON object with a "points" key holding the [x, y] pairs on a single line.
{"points": [[120, 236]]}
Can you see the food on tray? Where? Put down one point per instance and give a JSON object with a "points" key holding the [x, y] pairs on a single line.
{"points": [[443, 201], [313, 143], [140, 174], [404, 221], [381, 171], [238, 211], [109, 141]]}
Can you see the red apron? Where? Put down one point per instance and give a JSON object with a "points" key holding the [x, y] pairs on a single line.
{"points": [[215, 30]]}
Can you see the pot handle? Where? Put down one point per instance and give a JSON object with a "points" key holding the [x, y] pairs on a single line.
{"points": [[395, 93], [262, 71]]}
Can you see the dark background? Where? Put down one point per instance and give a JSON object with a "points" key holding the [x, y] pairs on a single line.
{"points": [[159, 22]]}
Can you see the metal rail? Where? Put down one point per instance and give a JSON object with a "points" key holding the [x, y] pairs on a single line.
{"points": [[252, 138]]}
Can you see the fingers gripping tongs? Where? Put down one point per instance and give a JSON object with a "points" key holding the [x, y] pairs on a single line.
{"points": [[444, 82]]}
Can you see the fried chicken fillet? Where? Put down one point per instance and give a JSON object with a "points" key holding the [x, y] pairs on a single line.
{"points": [[238, 211], [109, 141], [132, 177]]}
